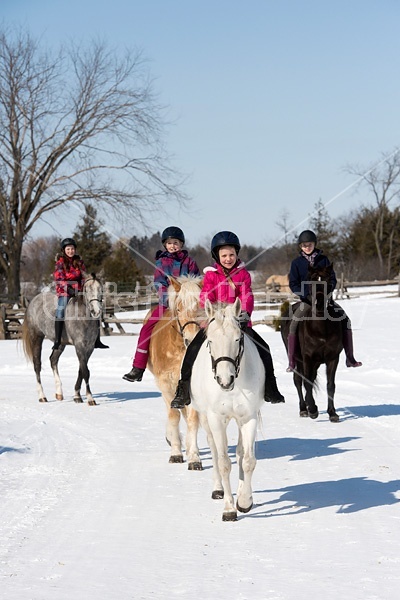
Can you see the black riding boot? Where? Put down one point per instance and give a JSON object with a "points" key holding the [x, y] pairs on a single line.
{"points": [[135, 374], [348, 349], [271, 392], [99, 344], [182, 394], [58, 324]]}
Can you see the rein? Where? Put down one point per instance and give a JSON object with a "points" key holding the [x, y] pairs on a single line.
{"points": [[235, 361]]}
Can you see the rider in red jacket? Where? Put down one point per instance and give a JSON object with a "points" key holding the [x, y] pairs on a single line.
{"points": [[69, 275]]}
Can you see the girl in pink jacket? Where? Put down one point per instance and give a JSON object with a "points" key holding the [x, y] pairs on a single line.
{"points": [[225, 281]]}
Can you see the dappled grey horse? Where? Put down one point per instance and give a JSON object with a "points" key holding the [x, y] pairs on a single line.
{"points": [[80, 330]]}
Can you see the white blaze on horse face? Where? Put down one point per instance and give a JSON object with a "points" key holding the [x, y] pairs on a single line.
{"points": [[224, 345], [93, 292]]}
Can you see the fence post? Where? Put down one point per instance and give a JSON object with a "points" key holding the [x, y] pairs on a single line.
{"points": [[2, 321]]}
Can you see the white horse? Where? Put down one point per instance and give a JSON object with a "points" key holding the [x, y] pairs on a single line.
{"points": [[229, 386]]}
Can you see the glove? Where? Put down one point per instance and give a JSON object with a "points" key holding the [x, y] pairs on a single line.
{"points": [[71, 291], [244, 318]]}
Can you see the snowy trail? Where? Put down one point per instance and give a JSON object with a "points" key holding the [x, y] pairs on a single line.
{"points": [[91, 509]]}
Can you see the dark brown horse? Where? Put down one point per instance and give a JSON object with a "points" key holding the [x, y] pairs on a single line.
{"points": [[319, 342]]}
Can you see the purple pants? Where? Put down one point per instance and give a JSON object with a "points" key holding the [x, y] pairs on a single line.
{"points": [[142, 350]]}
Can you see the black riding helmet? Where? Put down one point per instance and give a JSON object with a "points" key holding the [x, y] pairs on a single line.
{"points": [[307, 236], [172, 232], [67, 242], [224, 238]]}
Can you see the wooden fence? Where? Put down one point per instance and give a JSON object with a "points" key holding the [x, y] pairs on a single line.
{"points": [[114, 322]]}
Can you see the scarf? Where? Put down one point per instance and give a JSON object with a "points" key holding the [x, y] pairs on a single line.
{"points": [[310, 257]]}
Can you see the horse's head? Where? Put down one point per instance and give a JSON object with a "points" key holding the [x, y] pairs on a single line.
{"points": [[93, 295], [320, 284], [183, 302], [225, 342]]}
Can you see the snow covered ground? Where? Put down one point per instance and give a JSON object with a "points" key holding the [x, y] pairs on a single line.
{"points": [[91, 509]]}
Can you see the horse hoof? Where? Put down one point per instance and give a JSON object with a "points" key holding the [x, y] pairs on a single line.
{"points": [[78, 400], [334, 418], [42, 399], [176, 459], [244, 510], [303, 413], [229, 516], [195, 466], [92, 403], [59, 397], [313, 415], [217, 494]]}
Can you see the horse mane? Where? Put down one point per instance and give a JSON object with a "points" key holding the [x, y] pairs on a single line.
{"points": [[223, 313], [187, 292]]}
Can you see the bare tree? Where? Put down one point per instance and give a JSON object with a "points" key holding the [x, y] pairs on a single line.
{"points": [[383, 180], [284, 224], [80, 125]]}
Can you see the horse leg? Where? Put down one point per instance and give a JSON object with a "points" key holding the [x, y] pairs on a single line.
{"points": [[218, 490], [172, 433], [83, 374], [298, 382], [331, 387], [247, 463], [218, 429], [54, 358], [37, 343], [192, 450], [310, 375]]}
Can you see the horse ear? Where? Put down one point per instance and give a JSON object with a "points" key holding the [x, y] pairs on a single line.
{"points": [[174, 282], [237, 307], [208, 307]]}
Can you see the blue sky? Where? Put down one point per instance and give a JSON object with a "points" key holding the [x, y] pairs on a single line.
{"points": [[270, 99]]}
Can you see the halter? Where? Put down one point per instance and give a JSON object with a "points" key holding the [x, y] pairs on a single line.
{"points": [[182, 327], [235, 361], [100, 300]]}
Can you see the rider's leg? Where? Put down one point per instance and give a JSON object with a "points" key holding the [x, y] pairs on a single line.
{"points": [[59, 320], [98, 343], [143, 345], [271, 393], [298, 314], [182, 395], [347, 337], [348, 345]]}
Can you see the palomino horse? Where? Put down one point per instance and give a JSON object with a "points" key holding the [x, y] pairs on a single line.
{"points": [[80, 329], [278, 283], [169, 340], [228, 383], [319, 342]]}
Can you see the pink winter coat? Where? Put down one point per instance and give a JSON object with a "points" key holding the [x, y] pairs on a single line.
{"points": [[218, 288]]}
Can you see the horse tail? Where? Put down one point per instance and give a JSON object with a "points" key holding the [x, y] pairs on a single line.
{"points": [[27, 340]]}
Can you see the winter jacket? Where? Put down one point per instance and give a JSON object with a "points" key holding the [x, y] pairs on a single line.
{"points": [[299, 274], [172, 264], [218, 287], [69, 274]]}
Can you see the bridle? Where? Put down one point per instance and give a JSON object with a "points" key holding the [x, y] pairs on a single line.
{"points": [[235, 361], [100, 300], [182, 327]]}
